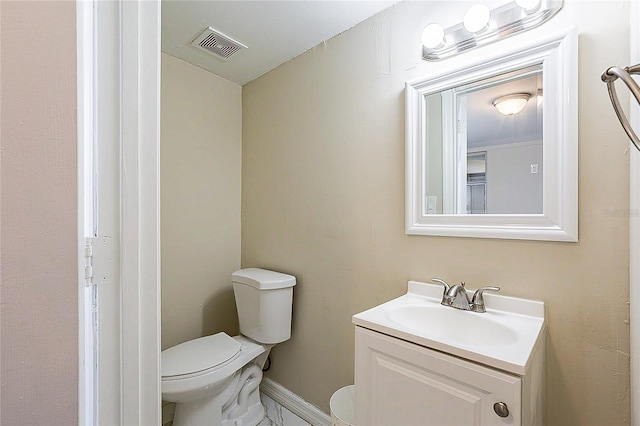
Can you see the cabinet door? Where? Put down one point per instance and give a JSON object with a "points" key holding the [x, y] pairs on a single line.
{"points": [[400, 383]]}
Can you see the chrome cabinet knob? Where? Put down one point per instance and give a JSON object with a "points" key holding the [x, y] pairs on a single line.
{"points": [[501, 409]]}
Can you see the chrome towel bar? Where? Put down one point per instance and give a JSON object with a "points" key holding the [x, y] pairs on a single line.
{"points": [[609, 76]]}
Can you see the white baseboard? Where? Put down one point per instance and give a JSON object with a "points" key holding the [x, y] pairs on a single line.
{"points": [[292, 402]]}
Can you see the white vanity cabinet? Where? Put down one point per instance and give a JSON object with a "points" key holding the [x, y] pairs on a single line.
{"points": [[404, 376]]}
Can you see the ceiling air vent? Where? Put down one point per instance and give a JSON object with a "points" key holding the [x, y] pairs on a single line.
{"points": [[217, 43]]}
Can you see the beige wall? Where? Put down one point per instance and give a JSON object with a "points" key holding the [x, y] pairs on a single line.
{"points": [[201, 148], [39, 311], [323, 199]]}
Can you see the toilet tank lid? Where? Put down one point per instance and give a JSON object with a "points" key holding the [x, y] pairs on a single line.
{"points": [[263, 279]]}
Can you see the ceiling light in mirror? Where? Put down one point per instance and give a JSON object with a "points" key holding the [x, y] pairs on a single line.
{"points": [[511, 104]]}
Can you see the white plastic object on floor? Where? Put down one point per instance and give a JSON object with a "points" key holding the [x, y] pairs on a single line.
{"points": [[342, 405]]}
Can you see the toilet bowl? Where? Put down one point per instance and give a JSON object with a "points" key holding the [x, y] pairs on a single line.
{"points": [[215, 379], [207, 394]]}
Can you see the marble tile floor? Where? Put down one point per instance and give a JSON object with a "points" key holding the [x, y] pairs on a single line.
{"points": [[277, 415]]}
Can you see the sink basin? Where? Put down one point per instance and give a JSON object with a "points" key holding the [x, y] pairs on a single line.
{"points": [[504, 337], [463, 327]]}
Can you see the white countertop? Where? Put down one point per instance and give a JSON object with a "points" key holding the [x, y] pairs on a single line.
{"points": [[503, 337]]}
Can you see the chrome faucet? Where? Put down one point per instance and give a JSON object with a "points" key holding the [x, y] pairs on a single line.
{"points": [[456, 296]]}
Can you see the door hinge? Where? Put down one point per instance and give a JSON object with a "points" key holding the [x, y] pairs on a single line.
{"points": [[99, 260]]}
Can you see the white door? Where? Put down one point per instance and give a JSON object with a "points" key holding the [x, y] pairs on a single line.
{"points": [[118, 139]]}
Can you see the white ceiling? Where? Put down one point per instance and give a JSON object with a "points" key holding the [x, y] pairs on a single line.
{"points": [[273, 31]]}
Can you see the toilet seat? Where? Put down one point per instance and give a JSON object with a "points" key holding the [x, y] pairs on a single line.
{"points": [[198, 356]]}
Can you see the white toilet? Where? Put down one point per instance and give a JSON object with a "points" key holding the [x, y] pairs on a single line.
{"points": [[214, 380]]}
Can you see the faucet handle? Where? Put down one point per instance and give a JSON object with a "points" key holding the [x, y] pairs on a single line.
{"points": [[477, 302]]}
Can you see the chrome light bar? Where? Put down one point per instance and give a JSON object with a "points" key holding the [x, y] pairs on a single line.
{"points": [[504, 21]]}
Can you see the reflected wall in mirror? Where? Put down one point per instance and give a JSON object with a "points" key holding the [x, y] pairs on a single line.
{"points": [[492, 145]]}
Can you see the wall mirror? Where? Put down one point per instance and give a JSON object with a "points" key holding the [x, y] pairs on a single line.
{"points": [[491, 143]]}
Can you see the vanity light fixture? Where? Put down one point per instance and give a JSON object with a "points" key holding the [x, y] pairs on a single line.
{"points": [[433, 36], [511, 104], [477, 18], [529, 6], [482, 26]]}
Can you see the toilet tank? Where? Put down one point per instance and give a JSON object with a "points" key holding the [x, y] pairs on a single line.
{"points": [[264, 299]]}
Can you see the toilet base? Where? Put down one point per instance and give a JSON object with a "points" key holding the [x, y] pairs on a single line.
{"points": [[205, 410], [254, 415], [245, 407]]}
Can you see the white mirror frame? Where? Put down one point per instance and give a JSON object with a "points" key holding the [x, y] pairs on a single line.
{"points": [[558, 54]]}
